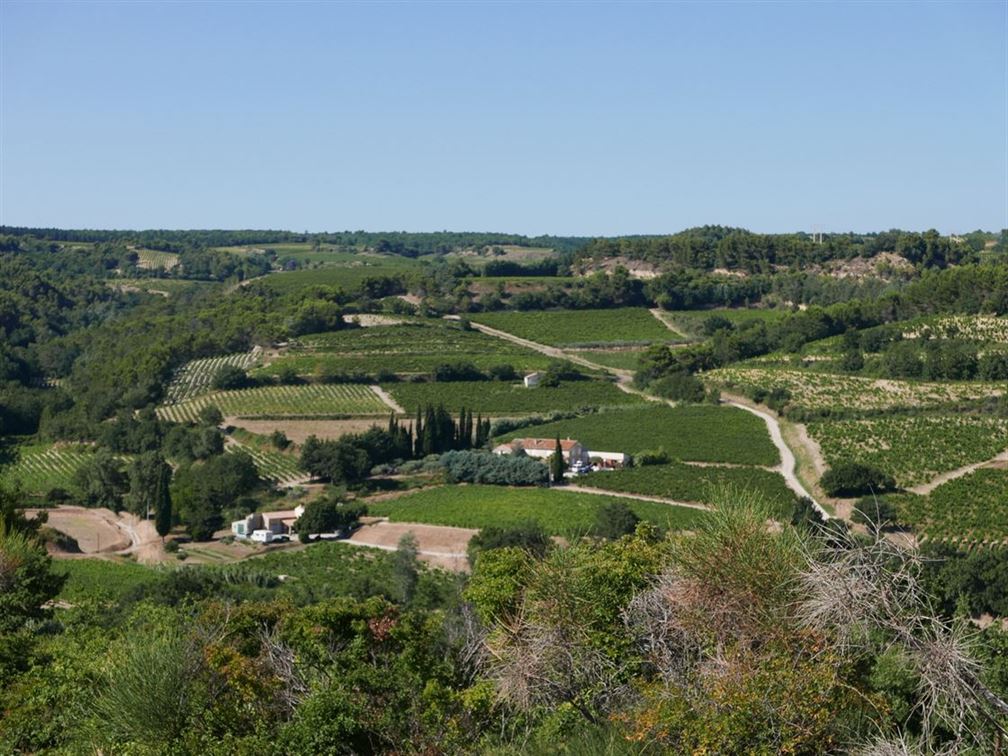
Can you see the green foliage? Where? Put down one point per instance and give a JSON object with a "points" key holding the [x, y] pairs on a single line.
{"points": [[855, 479], [101, 481], [27, 580], [615, 520], [494, 469], [528, 536], [328, 515]]}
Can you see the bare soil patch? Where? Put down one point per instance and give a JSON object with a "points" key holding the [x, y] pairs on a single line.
{"points": [[95, 530], [439, 545], [298, 430]]}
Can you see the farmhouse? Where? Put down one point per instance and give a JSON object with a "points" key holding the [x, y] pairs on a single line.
{"points": [[278, 523], [543, 448], [532, 379]]}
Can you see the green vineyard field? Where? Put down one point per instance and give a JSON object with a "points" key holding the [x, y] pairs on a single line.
{"points": [[571, 327], [913, 449], [691, 483], [566, 513], [696, 433], [196, 376], [312, 400], [506, 399]]}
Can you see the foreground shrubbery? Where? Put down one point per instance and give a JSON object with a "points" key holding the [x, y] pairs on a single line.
{"points": [[734, 638]]}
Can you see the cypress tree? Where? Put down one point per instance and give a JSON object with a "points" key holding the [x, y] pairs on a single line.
{"points": [[557, 464], [162, 502]]}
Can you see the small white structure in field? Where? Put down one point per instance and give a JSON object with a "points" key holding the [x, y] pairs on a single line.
{"points": [[532, 379], [277, 523]]}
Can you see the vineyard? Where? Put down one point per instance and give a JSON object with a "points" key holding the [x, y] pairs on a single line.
{"points": [[40, 467], [987, 329], [314, 400], [697, 433], [564, 513], [913, 449], [573, 327], [970, 509], [691, 483], [621, 359], [506, 399], [407, 348], [151, 259], [196, 376], [275, 466], [817, 391]]}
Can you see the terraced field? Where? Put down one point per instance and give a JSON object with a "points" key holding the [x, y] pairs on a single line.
{"points": [[313, 400], [693, 484], [152, 259], [506, 399], [970, 509], [700, 433], [39, 468], [408, 348], [558, 512], [275, 466], [196, 376], [817, 391], [565, 328], [913, 449]]}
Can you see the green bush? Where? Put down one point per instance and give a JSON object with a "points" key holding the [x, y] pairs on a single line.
{"points": [[615, 520], [856, 479]]}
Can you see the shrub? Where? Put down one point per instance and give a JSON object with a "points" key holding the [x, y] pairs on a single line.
{"points": [[457, 371], [615, 520], [230, 377], [681, 386], [484, 467], [503, 372], [874, 511], [856, 479], [652, 457], [528, 536], [327, 515]]}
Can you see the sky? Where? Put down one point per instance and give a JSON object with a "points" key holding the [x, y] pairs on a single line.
{"points": [[563, 118]]}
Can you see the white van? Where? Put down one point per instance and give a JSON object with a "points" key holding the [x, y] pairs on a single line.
{"points": [[262, 536]]}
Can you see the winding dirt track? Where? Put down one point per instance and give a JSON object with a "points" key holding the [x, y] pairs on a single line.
{"points": [[925, 488], [788, 463]]}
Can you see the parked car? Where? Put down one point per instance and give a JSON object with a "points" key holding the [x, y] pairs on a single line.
{"points": [[263, 536]]}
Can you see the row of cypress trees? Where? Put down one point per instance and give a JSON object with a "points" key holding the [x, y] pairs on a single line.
{"points": [[434, 431]]}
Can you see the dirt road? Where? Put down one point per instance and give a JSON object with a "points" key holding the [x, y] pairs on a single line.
{"points": [[787, 466], [102, 531], [624, 495], [386, 397], [925, 488]]}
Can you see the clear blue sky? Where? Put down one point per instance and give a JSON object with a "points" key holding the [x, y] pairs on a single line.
{"points": [[561, 118]]}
